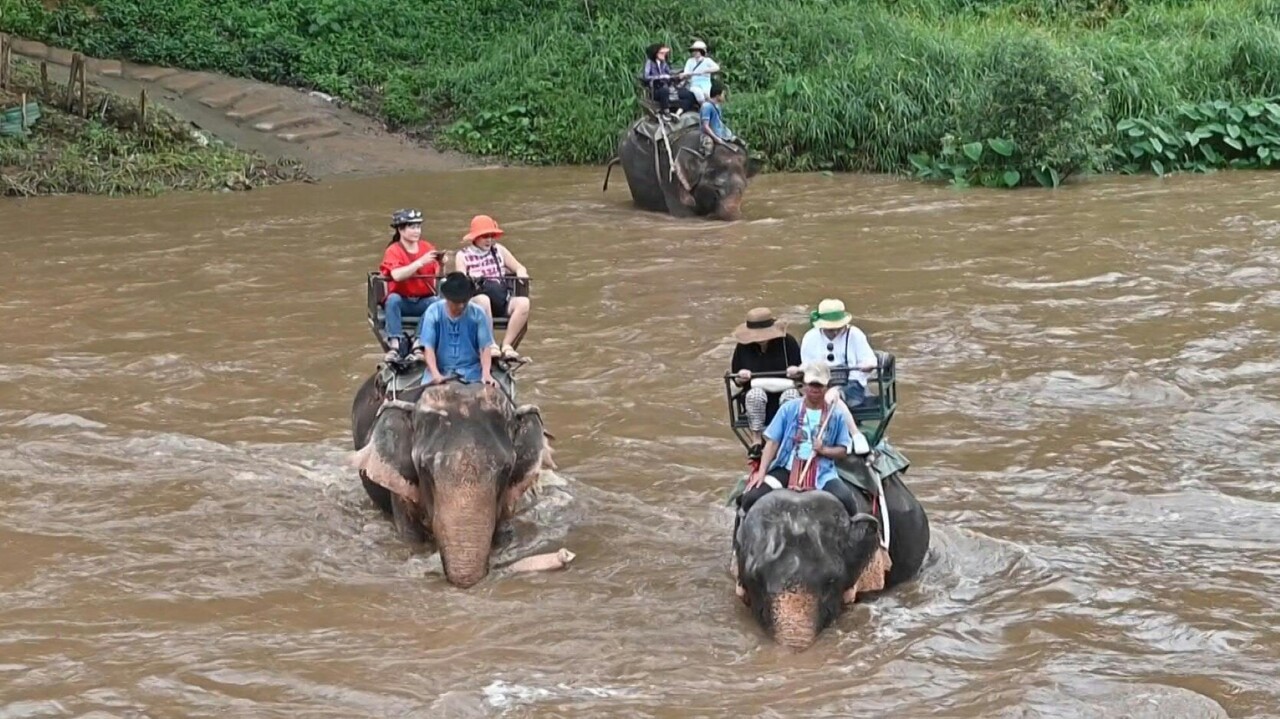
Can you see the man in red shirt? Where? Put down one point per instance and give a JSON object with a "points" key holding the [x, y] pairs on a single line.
{"points": [[406, 260]]}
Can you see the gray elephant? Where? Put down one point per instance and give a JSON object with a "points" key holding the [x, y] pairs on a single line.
{"points": [[675, 173], [448, 462], [800, 557]]}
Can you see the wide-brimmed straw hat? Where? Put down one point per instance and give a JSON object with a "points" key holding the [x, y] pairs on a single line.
{"points": [[830, 315], [761, 326], [698, 45], [482, 225]]}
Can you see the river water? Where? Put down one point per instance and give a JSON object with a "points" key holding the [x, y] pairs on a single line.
{"points": [[1089, 396]]}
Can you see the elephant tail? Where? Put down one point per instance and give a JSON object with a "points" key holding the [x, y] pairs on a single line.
{"points": [[608, 169]]}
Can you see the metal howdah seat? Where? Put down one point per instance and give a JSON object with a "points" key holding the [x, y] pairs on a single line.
{"points": [[376, 292], [872, 416]]}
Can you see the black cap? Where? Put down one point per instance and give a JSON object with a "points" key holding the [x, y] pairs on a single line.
{"points": [[457, 287]]}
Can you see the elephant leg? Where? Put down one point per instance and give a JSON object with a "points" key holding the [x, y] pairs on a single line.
{"points": [[406, 520]]}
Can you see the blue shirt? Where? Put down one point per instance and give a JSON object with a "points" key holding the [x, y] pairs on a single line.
{"points": [[783, 429], [710, 113], [457, 342]]}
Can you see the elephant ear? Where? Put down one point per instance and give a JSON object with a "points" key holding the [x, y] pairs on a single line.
{"points": [[692, 164], [532, 453], [387, 459], [754, 165]]}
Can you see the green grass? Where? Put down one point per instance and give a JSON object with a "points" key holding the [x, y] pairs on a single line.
{"points": [[111, 153], [814, 84]]}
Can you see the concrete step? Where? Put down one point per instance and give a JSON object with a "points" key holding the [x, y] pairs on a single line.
{"points": [[147, 73], [272, 124], [187, 82], [221, 96], [30, 48], [108, 68], [314, 133], [250, 111]]}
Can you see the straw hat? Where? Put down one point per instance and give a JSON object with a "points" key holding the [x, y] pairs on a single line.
{"points": [[830, 315], [761, 326]]}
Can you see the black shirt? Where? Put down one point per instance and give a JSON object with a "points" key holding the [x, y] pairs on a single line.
{"points": [[778, 355]]}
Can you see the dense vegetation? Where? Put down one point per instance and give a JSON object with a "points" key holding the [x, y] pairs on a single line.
{"points": [[991, 91], [115, 151]]}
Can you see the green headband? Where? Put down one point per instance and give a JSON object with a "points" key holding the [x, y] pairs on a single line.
{"points": [[828, 316]]}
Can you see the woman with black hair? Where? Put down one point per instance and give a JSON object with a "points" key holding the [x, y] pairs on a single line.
{"points": [[662, 83]]}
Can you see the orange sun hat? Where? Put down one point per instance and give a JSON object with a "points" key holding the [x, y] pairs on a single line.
{"points": [[482, 225]]}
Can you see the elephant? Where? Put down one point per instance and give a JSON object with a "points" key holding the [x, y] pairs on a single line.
{"points": [[701, 184], [450, 465], [799, 557]]}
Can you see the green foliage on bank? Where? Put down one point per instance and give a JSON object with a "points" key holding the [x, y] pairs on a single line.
{"points": [[116, 151], [814, 84]]}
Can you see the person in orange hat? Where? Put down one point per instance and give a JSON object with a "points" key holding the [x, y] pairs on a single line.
{"points": [[489, 264]]}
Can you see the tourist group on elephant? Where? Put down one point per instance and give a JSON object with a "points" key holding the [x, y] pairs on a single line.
{"points": [[822, 518]]}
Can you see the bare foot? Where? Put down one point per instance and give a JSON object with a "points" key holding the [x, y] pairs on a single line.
{"points": [[850, 595], [543, 562]]}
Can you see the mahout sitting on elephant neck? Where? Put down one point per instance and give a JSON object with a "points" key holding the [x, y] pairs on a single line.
{"points": [[450, 466]]}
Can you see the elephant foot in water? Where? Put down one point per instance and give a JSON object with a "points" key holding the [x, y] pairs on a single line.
{"points": [[544, 562]]}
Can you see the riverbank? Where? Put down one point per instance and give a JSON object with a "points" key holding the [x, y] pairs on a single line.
{"points": [[1037, 89], [116, 147]]}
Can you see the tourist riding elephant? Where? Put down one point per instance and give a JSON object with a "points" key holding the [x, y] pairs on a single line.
{"points": [[448, 461], [701, 183], [800, 557]]}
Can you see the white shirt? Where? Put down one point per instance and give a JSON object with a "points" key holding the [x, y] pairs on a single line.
{"points": [[700, 84], [849, 349]]}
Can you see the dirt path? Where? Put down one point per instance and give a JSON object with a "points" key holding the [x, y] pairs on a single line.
{"points": [[272, 120]]}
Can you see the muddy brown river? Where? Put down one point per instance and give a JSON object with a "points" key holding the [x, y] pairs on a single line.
{"points": [[1089, 396]]}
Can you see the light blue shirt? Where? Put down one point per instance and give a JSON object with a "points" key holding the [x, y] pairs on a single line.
{"points": [[457, 342], [710, 114], [783, 429]]}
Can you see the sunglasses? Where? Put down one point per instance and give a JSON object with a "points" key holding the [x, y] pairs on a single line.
{"points": [[831, 351], [816, 385]]}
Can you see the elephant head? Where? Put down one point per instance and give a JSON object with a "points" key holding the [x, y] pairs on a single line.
{"points": [[456, 462], [797, 553], [712, 183]]}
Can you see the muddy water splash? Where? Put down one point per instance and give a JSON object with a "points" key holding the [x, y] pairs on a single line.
{"points": [[1089, 395]]}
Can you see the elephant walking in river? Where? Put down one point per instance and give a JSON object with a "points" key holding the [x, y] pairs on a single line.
{"points": [[800, 557], [668, 170], [449, 462]]}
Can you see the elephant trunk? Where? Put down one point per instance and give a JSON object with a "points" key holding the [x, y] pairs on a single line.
{"points": [[463, 525], [795, 618], [730, 208]]}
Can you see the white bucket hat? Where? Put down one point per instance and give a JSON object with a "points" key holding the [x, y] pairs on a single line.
{"points": [[830, 315], [698, 45]]}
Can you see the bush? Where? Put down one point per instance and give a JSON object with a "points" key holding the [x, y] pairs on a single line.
{"points": [[813, 84]]}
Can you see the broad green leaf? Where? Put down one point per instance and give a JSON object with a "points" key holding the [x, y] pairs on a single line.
{"points": [[1233, 130], [1124, 125], [1002, 147], [1158, 167], [1233, 142], [1236, 114], [1011, 178], [972, 150]]}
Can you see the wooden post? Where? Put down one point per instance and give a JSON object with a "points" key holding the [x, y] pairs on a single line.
{"points": [[44, 78], [4, 62], [84, 99], [23, 100], [142, 110], [70, 98]]}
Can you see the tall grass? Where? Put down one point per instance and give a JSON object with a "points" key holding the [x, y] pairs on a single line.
{"points": [[813, 84]]}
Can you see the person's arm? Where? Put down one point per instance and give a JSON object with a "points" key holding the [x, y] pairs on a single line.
{"points": [[427, 328], [735, 366], [485, 340], [510, 260], [459, 264], [843, 440], [766, 458], [812, 347], [862, 352], [392, 267]]}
